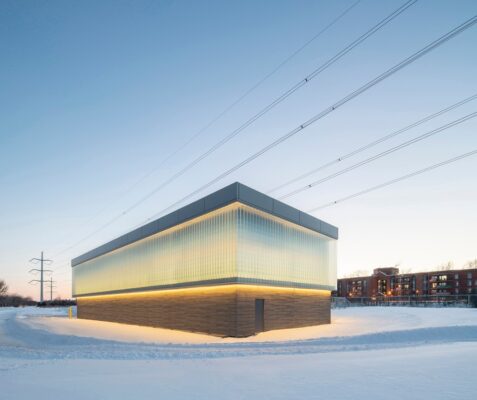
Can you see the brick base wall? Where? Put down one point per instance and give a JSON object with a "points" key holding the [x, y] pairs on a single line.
{"points": [[222, 310], [284, 308]]}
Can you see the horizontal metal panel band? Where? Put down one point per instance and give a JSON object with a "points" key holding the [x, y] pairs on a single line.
{"points": [[213, 282]]}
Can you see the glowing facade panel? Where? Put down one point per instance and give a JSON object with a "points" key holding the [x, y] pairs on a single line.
{"points": [[236, 243], [277, 251], [201, 249]]}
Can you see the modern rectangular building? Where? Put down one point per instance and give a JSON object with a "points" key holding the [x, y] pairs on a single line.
{"points": [[234, 263]]}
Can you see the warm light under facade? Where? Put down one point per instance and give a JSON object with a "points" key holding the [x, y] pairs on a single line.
{"points": [[246, 239]]}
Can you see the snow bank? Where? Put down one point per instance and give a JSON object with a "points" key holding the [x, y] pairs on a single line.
{"points": [[345, 322], [365, 352], [443, 372]]}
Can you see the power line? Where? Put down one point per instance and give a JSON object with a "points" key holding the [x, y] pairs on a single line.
{"points": [[375, 142], [277, 101], [382, 154], [254, 118], [388, 183], [433, 45], [64, 265], [386, 152], [228, 108], [251, 89]]}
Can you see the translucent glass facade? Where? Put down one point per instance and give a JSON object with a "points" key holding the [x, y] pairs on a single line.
{"points": [[278, 251], [234, 242]]}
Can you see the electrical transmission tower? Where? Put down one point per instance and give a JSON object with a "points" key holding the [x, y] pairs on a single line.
{"points": [[42, 261], [50, 283]]}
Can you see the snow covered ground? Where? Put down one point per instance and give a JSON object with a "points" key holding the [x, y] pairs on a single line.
{"points": [[387, 353]]}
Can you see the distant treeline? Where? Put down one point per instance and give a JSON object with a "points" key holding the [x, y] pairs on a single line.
{"points": [[14, 300], [57, 303], [19, 301]]}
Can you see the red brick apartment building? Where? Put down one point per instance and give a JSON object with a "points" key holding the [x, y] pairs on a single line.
{"points": [[388, 283]]}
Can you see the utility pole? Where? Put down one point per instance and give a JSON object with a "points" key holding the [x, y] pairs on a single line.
{"points": [[50, 283], [51, 289], [42, 262]]}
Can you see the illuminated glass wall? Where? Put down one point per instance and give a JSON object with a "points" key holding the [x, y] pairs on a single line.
{"points": [[201, 249], [279, 251], [235, 241]]}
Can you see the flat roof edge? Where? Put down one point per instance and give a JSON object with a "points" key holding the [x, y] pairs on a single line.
{"points": [[236, 192]]}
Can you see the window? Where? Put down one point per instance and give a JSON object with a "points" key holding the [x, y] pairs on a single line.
{"points": [[469, 282], [457, 291], [382, 287], [456, 276], [469, 275]]}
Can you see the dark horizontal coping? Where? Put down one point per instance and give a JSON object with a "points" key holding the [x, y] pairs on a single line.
{"points": [[213, 282], [235, 192]]}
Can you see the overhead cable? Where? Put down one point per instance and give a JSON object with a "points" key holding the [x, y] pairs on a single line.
{"points": [[234, 133], [222, 113], [407, 61], [273, 104], [391, 182], [381, 154], [374, 143]]}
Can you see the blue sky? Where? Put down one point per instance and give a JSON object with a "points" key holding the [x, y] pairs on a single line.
{"points": [[96, 94]]}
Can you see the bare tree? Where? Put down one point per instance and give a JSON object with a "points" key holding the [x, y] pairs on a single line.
{"points": [[471, 264], [446, 266], [358, 273], [3, 288]]}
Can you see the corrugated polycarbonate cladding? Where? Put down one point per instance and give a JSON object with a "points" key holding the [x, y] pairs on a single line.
{"points": [[235, 243], [201, 249], [277, 251]]}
